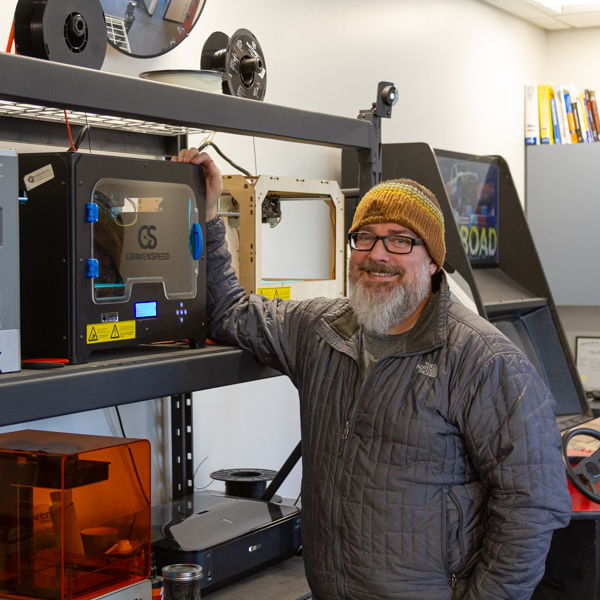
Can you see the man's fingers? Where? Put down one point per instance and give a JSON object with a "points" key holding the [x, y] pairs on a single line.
{"points": [[213, 174], [211, 168], [188, 155]]}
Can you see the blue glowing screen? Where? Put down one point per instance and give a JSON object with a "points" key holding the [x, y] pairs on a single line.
{"points": [[144, 310]]}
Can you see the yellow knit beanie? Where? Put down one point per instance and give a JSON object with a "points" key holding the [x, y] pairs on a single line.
{"points": [[409, 204]]}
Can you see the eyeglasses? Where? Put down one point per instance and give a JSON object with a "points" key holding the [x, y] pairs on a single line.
{"points": [[395, 244]]}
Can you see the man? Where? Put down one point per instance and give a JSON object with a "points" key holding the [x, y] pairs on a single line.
{"points": [[431, 463]]}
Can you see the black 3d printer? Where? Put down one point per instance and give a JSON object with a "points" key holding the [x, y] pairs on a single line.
{"points": [[111, 253]]}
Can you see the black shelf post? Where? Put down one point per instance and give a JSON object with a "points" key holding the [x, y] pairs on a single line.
{"points": [[182, 445]]}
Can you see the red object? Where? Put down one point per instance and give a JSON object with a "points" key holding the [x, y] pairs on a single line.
{"points": [[188, 21], [63, 361], [69, 130], [580, 502], [11, 38]]}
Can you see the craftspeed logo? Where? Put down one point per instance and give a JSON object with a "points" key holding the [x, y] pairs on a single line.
{"points": [[146, 240]]}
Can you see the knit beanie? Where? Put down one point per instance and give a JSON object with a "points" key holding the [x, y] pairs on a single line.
{"points": [[409, 204]]}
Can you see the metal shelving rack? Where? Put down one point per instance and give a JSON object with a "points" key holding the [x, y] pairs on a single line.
{"points": [[146, 373]]}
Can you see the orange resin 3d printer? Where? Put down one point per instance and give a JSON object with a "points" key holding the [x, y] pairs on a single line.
{"points": [[74, 514]]}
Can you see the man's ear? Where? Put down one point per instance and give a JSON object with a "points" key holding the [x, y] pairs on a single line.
{"points": [[432, 267]]}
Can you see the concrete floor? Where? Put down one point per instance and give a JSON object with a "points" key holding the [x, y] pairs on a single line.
{"points": [[285, 581]]}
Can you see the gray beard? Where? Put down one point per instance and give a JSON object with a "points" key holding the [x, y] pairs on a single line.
{"points": [[379, 308]]}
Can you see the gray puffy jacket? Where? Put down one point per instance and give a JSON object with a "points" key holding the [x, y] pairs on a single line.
{"points": [[439, 477]]}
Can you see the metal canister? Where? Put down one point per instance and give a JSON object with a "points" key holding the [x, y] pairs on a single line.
{"points": [[182, 582]]}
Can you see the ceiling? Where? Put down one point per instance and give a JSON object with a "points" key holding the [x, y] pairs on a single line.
{"points": [[553, 14]]}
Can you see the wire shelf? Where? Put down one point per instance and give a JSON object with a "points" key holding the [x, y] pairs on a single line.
{"points": [[42, 113]]}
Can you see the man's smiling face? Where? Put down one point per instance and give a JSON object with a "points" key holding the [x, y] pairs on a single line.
{"points": [[386, 288]]}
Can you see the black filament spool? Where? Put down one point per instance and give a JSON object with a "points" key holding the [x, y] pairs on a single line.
{"points": [[65, 31], [244, 483], [242, 58]]}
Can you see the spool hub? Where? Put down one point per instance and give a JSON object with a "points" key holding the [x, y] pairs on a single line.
{"points": [[66, 31], [242, 58]]}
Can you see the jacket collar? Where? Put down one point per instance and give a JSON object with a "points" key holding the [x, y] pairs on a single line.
{"points": [[340, 329]]}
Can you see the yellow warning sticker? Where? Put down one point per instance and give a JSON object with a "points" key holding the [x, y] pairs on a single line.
{"points": [[99, 333], [277, 292]]}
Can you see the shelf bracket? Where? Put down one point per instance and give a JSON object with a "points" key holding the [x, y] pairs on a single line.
{"points": [[182, 445]]}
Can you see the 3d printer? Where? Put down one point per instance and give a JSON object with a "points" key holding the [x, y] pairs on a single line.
{"points": [[111, 253], [74, 514]]}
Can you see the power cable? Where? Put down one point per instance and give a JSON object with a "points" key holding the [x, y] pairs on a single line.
{"points": [[209, 142]]}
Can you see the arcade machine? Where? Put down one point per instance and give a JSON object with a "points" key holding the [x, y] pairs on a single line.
{"points": [[493, 268]]}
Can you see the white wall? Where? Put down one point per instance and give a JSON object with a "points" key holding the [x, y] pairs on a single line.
{"points": [[460, 67], [573, 57]]}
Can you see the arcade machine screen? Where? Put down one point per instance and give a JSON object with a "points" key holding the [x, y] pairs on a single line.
{"points": [[472, 187]]}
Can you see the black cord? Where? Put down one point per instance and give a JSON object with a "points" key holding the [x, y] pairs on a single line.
{"points": [[241, 169], [206, 144], [120, 421], [89, 133], [84, 131], [137, 475]]}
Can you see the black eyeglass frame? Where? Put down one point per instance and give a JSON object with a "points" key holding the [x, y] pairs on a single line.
{"points": [[413, 242]]}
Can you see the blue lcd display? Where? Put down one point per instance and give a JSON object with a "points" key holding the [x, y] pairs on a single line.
{"points": [[143, 310]]}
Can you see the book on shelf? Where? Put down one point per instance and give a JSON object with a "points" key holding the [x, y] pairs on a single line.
{"points": [[561, 110], [532, 119], [555, 126], [590, 114], [583, 122], [570, 118], [595, 116], [546, 134], [576, 113], [592, 136]]}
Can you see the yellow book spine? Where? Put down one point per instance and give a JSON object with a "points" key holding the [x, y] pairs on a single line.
{"points": [[546, 136]]}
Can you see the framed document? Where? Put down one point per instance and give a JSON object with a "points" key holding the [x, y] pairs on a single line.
{"points": [[587, 357]]}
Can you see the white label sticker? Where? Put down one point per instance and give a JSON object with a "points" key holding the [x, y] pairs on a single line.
{"points": [[38, 177]]}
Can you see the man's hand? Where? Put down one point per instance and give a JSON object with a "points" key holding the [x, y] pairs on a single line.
{"points": [[214, 180]]}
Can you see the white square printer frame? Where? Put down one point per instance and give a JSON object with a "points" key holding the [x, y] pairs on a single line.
{"points": [[249, 194], [10, 334]]}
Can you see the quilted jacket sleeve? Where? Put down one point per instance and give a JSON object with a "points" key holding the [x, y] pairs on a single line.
{"points": [[267, 328], [508, 423]]}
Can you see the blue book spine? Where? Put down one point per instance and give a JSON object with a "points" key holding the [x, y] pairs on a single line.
{"points": [[555, 126]]}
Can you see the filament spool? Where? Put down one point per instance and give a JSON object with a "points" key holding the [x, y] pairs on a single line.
{"points": [[65, 31], [244, 483], [242, 58]]}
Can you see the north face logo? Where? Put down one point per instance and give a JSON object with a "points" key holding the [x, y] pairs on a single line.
{"points": [[427, 369]]}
